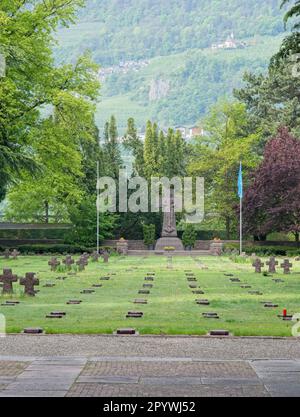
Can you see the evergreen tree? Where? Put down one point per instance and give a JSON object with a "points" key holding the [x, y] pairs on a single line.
{"points": [[161, 153], [291, 44], [111, 149], [149, 152], [133, 143]]}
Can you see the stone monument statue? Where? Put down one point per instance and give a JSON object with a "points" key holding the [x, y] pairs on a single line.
{"points": [[169, 236]]}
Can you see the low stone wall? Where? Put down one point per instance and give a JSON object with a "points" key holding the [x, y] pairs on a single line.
{"points": [[132, 244], [201, 244], [139, 244]]}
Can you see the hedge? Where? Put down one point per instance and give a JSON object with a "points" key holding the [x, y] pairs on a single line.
{"points": [[265, 250], [55, 249]]}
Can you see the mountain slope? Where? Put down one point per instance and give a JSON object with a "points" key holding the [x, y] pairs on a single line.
{"points": [[174, 74]]}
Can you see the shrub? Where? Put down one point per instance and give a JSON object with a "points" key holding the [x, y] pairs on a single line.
{"points": [[266, 250], [189, 236], [55, 249], [149, 234]]}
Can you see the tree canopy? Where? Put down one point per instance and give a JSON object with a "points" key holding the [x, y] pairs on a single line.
{"points": [[272, 201]]}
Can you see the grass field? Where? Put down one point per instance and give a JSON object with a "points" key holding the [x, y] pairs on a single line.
{"points": [[171, 305]]}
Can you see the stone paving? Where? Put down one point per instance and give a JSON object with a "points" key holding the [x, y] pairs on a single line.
{"points": [[138, 374]]}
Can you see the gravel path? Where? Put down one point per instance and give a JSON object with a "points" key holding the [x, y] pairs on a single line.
{"points": [[149, 347]]}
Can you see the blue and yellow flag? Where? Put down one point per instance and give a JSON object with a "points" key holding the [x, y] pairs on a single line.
{"points": [[240, 182]]}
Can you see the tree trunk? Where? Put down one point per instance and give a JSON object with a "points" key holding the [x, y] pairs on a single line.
{"points": [[46, 212], [297, 237]]}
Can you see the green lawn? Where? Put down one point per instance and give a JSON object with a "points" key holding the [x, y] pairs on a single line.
{"points": [[171, 305]]}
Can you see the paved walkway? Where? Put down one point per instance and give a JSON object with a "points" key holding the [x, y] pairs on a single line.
{"points": [[148, 366]]}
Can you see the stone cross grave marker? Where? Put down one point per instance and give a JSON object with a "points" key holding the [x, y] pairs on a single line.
{"points": [[105, 257], [258, 264], [15, 253], [286, 265], [272, 263], [82, 263], [29, 282], [54, 263], [8, 278], [95, 256], [68, 261], [7, 254]]}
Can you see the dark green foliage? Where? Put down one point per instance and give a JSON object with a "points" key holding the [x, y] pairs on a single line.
{"points": [[111, 149], [294, 11], [57, 249], [189, 236], [137, 29], [149, 234], [83, 218], [290, 45], [266, 250], [133, 144]]}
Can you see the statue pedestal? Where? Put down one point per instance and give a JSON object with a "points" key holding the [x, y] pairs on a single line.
{"points": [[122, 247], [216, 248], [164, 242]]}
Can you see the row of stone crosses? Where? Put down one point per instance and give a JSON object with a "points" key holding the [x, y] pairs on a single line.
{"points": [[82, 262], [272, 264], [14, 254], [29, 282]]}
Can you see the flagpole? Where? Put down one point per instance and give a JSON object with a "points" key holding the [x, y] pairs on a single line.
{"points": [[241, 195], [98, 222], [241, 226]]}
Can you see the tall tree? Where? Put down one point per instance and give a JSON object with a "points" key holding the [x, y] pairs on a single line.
{"points": [[134, 144], [32, 80], [272, 200], [111, 148], [216, 157], [291, 44], [272, 100], [150, 151]]}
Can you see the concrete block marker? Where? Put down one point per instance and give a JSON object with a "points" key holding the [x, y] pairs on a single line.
{"points": [[219, 333], [140, 301], [33, 330], [203, 302], [210, 315], [74, 302], [134, 314], [126, 332]]}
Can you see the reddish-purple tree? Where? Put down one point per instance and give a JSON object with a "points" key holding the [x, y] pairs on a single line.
{"points": [[272, 201]]}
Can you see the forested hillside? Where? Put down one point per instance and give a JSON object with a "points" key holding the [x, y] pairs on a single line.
{"points": [[182, 75]]}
